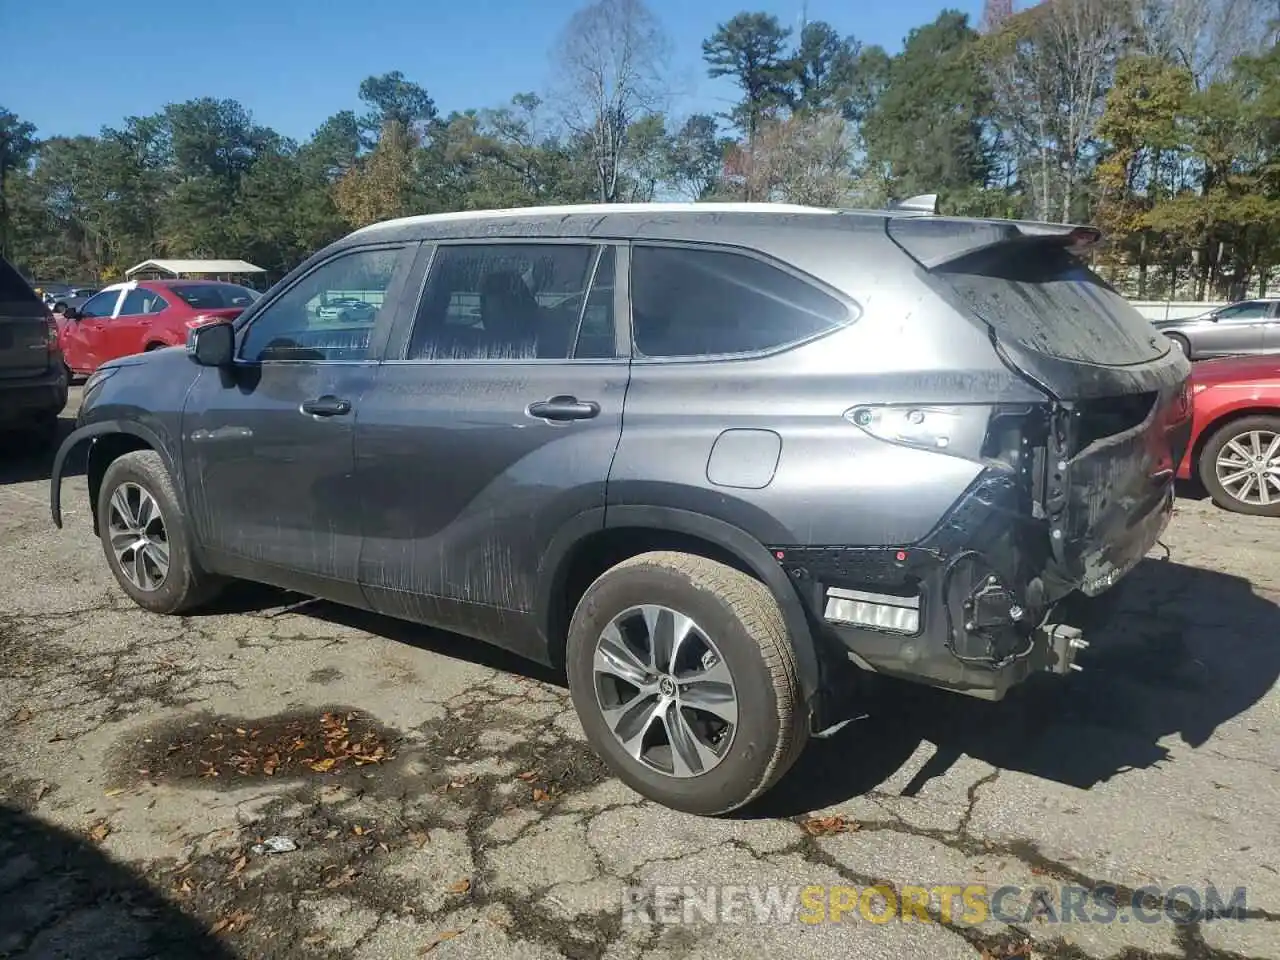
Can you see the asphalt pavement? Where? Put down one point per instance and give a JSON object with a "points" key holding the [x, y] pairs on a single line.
{"points": [[283, 778]]}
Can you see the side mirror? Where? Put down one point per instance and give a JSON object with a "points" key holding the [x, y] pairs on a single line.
{"points": [[212, 344]]}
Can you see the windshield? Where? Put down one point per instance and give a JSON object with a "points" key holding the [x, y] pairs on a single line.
{"points": [[215, 296]]}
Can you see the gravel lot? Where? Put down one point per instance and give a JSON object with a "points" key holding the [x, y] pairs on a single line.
{"points": [[443, 803]]}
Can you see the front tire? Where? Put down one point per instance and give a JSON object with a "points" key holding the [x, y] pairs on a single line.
{"points": [[145, 536], [685, 681], [1240, 466]]}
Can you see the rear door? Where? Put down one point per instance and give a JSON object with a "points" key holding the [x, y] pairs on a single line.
{"points": [[1271, 331], [492, 424], [84, 337], [24, 327]]}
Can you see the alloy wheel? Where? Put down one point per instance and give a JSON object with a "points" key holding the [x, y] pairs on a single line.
{"points": [[1248, 467], [138, 537], [665, 691]]}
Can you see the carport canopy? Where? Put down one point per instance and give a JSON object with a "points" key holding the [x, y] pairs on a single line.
{"points": [[173, 269]]}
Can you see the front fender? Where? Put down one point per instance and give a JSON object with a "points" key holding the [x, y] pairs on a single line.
{"points": [[92, 431]]}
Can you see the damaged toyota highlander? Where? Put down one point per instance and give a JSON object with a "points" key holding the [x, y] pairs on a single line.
{"points": [[717, 462]]}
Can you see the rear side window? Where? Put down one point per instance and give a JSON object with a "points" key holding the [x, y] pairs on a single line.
{"points": [[1042, 296], [514, 301], [698, 303], [13, 289]]}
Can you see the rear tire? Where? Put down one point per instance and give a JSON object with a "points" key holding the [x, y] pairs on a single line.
{"points": [[1226, 445], [146, 538], [736, 622]]}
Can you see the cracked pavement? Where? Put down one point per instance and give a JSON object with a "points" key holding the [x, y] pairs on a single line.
{"points": [[486, 826]]}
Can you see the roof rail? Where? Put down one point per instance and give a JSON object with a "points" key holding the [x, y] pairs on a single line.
{"points": [[923, 203]]}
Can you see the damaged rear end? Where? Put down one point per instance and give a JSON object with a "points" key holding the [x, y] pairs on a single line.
{"points": [[1075, 489]]}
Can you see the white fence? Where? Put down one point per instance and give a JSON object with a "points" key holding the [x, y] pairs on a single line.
{"points": [[1173, 309]]}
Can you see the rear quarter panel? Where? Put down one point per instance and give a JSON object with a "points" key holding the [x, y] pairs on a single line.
{"points": [[1218, 401], [833, 484]]}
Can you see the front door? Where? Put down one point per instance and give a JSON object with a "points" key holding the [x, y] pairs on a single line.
{"points": [[492, 425], [83, 337], [269, 444], [1237, 329]]}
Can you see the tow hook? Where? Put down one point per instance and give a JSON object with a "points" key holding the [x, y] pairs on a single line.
{"points": [[1063, 642]]}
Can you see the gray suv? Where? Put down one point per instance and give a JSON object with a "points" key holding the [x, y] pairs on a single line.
{"points": [[718, 462]]}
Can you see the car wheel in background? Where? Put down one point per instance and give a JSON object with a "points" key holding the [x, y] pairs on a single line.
{"points": [[145, 536], [1240, 466], [1181, 343], [685, 681]]}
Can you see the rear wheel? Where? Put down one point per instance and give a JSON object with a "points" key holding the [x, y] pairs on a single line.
{"points": [[146, 538], [1240, 466], [685, 681]]}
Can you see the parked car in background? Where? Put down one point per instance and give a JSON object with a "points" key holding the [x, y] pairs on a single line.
{"points": [[1235, 443], [346, 310], [128, 318], [33, 382], [1247, 327], [715, 460]]}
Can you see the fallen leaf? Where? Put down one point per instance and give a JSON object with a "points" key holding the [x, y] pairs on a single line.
{"points": [[320, 766], [527, 776], [420, 837], [22, 716], [384, 848], [100, 831], [826, 826], [239, 865], [438, 939], [314, 939], [358, 830], [460, 886], [114, 792], [539, 795]]}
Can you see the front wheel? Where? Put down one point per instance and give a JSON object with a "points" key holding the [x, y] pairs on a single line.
{"points": [[685, 681], [145, 536], [1240, 466]]}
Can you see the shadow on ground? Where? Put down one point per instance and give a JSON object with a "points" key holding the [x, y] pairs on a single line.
{"points": [[23, 459], [62, 897], [1179, 651], [1184, 651]]}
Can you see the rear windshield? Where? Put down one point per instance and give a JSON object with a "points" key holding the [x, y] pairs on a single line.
{"points": [[13, 289], [215, 296], [1037, 293]]}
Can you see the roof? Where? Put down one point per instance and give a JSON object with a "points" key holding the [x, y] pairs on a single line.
{"points": [[596, 209], [196, 266]]}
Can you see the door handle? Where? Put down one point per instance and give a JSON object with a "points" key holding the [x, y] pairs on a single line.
{"points": [[563, 408], [325, 407]]}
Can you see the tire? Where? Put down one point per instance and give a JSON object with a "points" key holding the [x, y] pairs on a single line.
{"points": [[184, 586], [1266, 427], [741, 619], [1181, 342]]}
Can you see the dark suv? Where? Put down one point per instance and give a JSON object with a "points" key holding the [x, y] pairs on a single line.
{"points": [[33, 378], [717, 461]]}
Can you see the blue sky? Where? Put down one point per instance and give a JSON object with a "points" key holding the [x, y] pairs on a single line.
{"points": [[82, 64]]}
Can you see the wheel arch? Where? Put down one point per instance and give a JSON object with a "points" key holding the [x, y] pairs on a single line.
{"points": [[595, 541], [1226, 418], [107, 440]]}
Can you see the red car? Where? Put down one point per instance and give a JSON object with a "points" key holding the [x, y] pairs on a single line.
{"points": [[128, 318], [1235, 433]]}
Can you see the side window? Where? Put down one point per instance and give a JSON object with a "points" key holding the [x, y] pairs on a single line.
{"points": [[100, 305], [139, 301], [1244, 312], [327, 315], [508, 301], [691, 303]]}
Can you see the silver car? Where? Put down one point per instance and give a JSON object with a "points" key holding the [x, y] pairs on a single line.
{"points": [[1247, 327]]}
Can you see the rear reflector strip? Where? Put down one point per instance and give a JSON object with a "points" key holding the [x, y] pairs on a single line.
{"points": [[880, 611]]}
